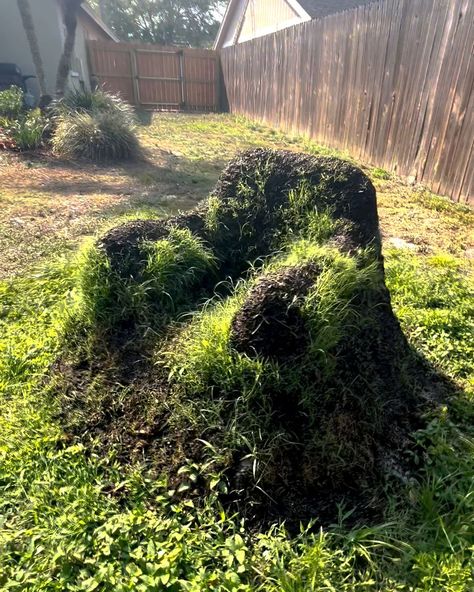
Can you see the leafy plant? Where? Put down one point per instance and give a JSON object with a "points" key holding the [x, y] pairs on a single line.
{"points": [[27, 132], [11, 102]]}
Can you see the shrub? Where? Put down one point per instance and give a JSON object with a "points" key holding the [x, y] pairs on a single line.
{"points": [[98, 136], [11, 103], [27, 132], [98, 101]]}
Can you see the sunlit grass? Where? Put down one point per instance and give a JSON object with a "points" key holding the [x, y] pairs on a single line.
{"points": [[76, 521]]}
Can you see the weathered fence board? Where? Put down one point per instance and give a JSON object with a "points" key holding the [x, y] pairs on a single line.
{"points": [[391, 82], [154, 76]]}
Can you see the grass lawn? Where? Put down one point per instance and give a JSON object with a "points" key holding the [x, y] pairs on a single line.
{"points": [[72, 520]]}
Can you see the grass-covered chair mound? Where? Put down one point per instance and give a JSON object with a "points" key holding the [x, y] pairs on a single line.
{"points": [[290, 387]]}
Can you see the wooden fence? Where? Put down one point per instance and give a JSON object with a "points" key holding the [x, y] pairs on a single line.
{"points": [[391, 82], [157, 77]]}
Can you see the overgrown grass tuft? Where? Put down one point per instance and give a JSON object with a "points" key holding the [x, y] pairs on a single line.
{"points": [[91, 102], [143, 294], [98, 137], [202, 355]]}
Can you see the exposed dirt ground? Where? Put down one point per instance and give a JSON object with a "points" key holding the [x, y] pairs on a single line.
{"points": [[47, 206]]}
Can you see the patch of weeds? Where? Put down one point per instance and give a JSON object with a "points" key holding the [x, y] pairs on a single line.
{"points": [[442, 204], [27, 132], [379, 173], [434, 299], [11, 103]]}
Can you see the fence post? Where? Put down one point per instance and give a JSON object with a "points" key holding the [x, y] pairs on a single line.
{"points": [[181, 76], [135, 80]]}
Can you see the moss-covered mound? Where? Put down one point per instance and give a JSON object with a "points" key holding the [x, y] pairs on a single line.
{"points": [[290, 391]]}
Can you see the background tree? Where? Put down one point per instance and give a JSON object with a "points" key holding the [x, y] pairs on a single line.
{"points": [[30, 31], [167, 22], [70, 9]]}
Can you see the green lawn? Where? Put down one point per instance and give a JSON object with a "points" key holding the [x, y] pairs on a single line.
{"points": [[72, 520]]}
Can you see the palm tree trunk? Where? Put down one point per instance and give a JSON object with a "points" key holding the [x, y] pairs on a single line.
{"points": [[70, 9], [29, 27]]}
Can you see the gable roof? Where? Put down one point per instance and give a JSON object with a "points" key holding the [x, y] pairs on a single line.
{"points": [[320, 8], [235, 12], [89, 13], [308, 9]]}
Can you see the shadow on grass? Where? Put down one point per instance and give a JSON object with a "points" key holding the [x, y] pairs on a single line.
{"points": [[171, 173]]}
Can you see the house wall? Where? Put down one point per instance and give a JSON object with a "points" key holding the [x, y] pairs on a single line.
{"points": [[14, 45], [50, 31], [79, 76], [321, 8], [262, 18]]}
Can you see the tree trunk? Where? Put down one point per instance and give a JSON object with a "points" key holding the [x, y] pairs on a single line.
{"points": [[29, 27], [70, 8]]}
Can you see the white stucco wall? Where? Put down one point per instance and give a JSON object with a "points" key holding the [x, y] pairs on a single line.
{"points": [[79, 65], [50, 32], [14, 44]]}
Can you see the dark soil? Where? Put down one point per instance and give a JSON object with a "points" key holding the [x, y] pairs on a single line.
{"points": [[123, 242], [270, 323], [347, 191]]}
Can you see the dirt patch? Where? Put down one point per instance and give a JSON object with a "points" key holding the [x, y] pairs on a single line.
{"points": [[270, 322]]}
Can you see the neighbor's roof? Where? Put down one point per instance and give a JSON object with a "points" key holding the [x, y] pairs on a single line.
{"points": [[313, 8], [320, 8], [98, 21]]}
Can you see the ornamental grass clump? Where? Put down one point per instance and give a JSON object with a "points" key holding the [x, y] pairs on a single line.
{"points": [[96, 101], [99, 137], [96, 126]]}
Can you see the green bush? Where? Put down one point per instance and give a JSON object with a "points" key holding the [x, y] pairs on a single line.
{"points": [[97, 136], [98, 101], [27, 132], [11, 103]]}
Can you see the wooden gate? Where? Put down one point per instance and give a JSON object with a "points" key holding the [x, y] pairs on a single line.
{"points": [[157, 77]]}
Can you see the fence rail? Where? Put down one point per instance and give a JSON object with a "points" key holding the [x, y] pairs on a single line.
{"points": [[391, 82], [153, 76]]}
